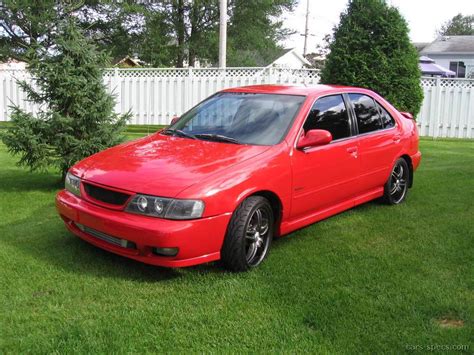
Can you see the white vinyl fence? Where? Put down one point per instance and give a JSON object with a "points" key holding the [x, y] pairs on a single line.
{"points": [[156, 95], [448, 108]]}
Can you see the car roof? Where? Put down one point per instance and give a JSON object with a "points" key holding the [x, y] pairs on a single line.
{"points": [[305, 90]]}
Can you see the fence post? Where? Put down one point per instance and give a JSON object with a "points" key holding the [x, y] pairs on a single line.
{"points": [[188, 91], [118, 91], [3, 96], [272, 78], [437, 121], [470, 115]]}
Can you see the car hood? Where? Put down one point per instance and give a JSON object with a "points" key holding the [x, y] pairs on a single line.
{"points": [[162, 165]]}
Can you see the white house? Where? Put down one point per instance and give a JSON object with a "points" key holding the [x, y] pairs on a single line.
{"points": [[289, 58], [453, 52]]}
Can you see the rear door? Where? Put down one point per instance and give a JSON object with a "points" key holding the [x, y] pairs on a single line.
{"points": [[327, 175], [379, 140]]}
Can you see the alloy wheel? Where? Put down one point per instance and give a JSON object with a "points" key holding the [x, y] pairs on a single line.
{"points": [[398, 182], [257, 236]]}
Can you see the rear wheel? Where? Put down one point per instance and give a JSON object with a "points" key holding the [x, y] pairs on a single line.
{"points": [[249, 235], [396, 187]]}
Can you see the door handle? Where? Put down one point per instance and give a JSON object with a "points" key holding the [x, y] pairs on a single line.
{"points": [[352, 151], [397, 139]]}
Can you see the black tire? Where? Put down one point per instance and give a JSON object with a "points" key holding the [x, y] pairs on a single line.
{"points": [[247, 242], [396, 187]]}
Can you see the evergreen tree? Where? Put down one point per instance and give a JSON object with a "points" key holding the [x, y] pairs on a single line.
{"points": [[76, 117], [371, 49]]}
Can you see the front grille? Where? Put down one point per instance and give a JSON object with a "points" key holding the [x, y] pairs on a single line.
{"points": [[106, 237], [105, 195]]}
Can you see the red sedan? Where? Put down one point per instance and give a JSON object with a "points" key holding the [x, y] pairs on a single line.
{"points": [[242, 167]]}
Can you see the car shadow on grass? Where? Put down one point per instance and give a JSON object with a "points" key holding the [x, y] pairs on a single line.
{"points": [[43, 236], [302, 232]]}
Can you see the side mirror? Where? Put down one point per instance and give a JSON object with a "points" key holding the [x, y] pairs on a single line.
{"points": [[407, 115], [174, 120], [314, 138]]}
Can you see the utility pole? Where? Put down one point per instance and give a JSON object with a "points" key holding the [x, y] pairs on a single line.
{"points": [[306, 34], [223, 32]]}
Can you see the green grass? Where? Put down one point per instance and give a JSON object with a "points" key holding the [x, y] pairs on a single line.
{"points": [[373, 279]]}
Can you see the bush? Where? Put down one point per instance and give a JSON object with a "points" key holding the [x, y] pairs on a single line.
{"points": [[371, 49], [76, 118]]}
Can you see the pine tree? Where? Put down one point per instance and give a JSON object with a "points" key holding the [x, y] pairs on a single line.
{"points": [[76, 117], [371, 49]]}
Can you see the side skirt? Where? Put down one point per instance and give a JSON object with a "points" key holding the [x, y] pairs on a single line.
{"points": [[292, 225]]}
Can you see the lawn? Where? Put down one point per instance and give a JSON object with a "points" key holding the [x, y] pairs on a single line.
{"points": [[373, 279]]}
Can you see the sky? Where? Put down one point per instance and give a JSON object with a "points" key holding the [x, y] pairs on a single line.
{"points": [[324, 15]]}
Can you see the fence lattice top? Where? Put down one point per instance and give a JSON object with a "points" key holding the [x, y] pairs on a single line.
{"points": [[210, 72], [448, 82], [276, 73]]}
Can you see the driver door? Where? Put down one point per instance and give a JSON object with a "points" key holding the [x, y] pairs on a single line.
{"points": [[326, 176]]}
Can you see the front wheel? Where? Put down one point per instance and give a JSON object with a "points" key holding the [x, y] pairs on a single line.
{"points": [[249, 235], [396, 187]]}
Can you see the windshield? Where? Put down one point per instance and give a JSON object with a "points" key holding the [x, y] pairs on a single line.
{"points": [[240, 118]]}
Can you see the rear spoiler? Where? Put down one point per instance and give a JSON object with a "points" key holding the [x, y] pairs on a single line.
{"points": [[407, 115]]}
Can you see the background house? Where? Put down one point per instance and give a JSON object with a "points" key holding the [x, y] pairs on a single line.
{"points": [[453, 52], [128, 62], [289, 58]]}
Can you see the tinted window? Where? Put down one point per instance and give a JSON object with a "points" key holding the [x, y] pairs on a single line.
{"points": [[387, 119], [329, 113], [459, 68], [261, 119], [368, 116]]}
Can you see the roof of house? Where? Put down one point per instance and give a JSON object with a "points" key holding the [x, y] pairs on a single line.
{"points": [[420, 45], [450, 45], [127, 61], [284, 52], [280, 53]]}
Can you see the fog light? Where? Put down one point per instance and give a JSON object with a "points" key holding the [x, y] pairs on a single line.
{"points": [[165, 251]]}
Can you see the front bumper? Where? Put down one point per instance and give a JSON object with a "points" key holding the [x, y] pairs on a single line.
{"points": [[199, 241]]}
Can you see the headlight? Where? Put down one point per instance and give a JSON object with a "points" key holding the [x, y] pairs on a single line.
{"points": [[166, 207], [73, 184]]}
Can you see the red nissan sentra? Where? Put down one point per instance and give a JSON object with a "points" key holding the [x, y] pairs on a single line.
{"points": [[242, 167]]}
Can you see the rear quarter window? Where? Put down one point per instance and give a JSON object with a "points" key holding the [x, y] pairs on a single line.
{"points": [[367, 113], [387, 119]]}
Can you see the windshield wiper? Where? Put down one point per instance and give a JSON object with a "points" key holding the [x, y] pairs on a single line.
{"points": [[217, 138], [178, 132]]}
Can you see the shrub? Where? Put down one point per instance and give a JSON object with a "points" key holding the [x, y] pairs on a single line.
{"points": [[371, 49]]}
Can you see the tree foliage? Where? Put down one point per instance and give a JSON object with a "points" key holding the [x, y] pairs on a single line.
{"points": [[162, 33], [27, 24], [458, 25], [255, 29], [76, 118], [371, 49]]}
